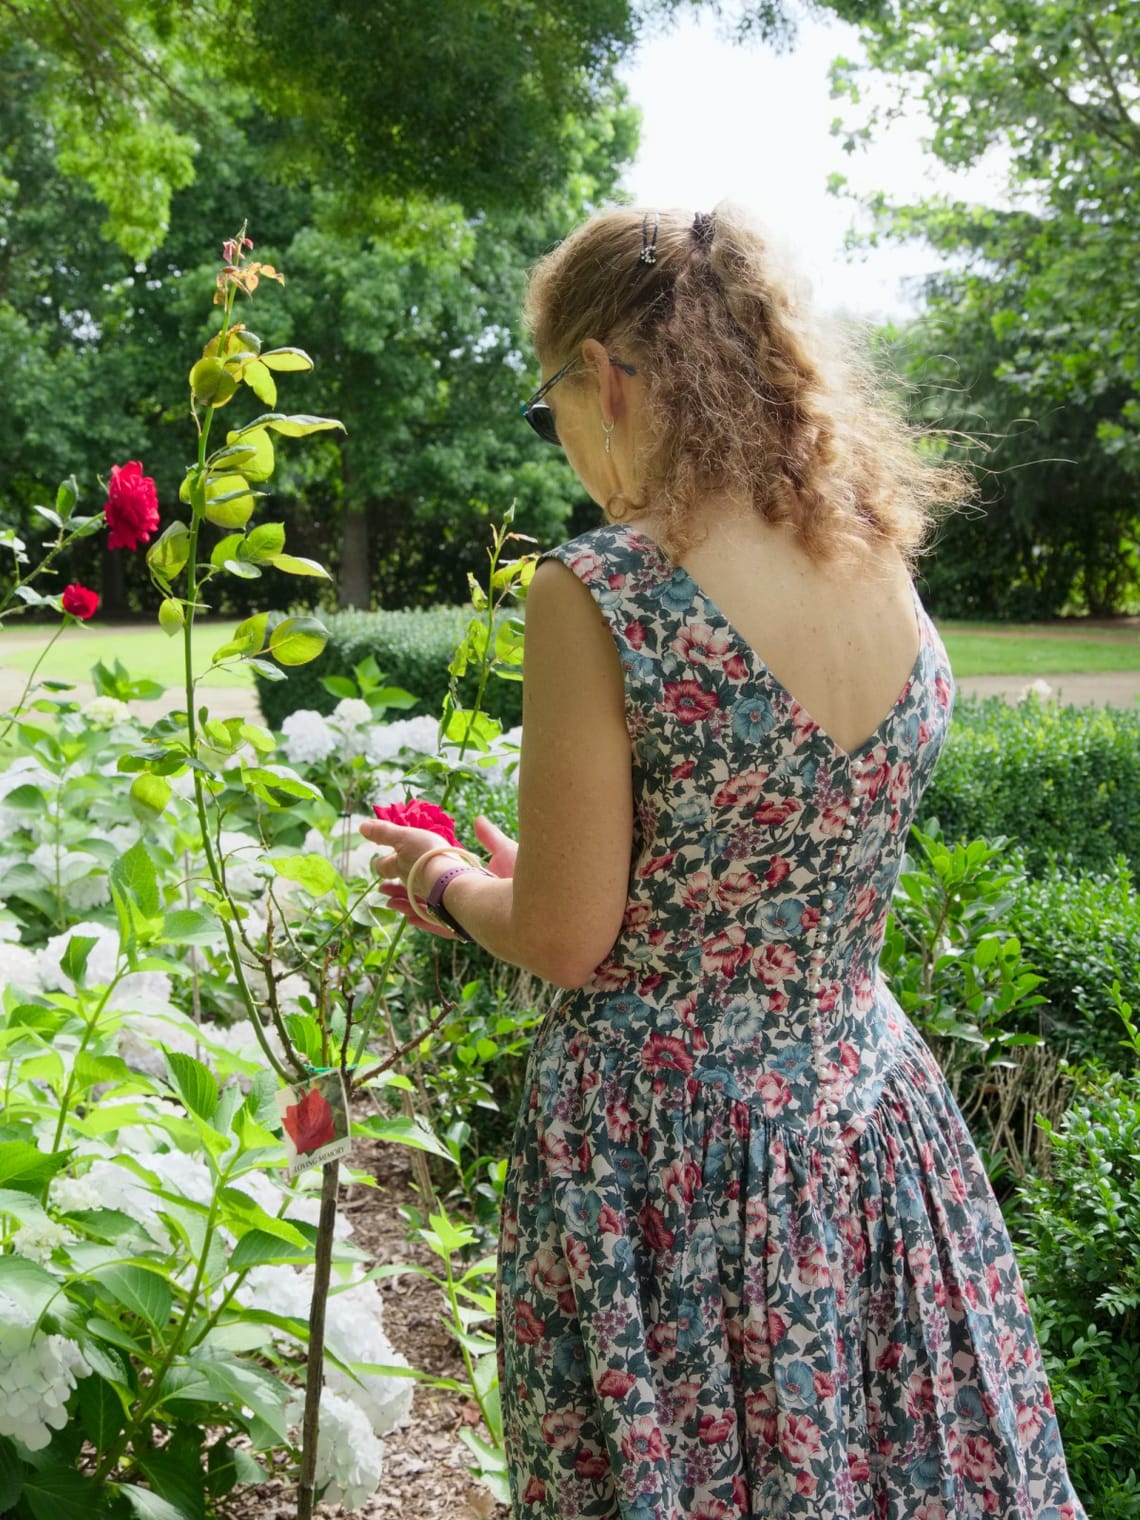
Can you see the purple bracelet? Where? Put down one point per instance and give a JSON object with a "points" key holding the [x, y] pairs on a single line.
{"points": [[434, 899]]}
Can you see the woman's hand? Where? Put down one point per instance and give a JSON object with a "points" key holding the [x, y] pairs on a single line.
{"points": [[500, 847], [401, 847]]}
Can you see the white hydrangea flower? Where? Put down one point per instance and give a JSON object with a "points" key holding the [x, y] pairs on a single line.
{"points": [[106, 711], [20, 969], [36, 1241], [350, 1459], [386, 740], [307, 738], [37, 1376], [81, 878], [240, 1040], [353, 1333], [24, 771], [75, 1195], [181, 1173], [100, 963], [351, 712], [140, 1038]]}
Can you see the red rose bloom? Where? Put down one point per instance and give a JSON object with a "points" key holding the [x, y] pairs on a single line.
{"points": [[419, 815], [80, 602], [132, 506], [309, 1124]]}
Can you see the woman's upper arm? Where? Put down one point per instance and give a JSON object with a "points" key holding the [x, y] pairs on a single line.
{"points": [[575, 791]]}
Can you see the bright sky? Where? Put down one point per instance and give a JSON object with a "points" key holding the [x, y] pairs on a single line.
{"points": [[729, 121]]}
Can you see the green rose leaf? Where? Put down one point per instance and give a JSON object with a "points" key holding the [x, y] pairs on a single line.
{"points": [[297, 640], [260, 465], [264, 542], [287, 359], [248, 638], [229, 501], [298, 426], [296, 564], [171, 618], [260, 381], [226, 549], [167, 556], [211, 383], [313, 872]]}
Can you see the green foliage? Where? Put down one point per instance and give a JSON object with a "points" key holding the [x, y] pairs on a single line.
{"points": [[1082, 933], [411, 647], [953, 965], [1060, 782], [1052, 85], [1081, 1259]]}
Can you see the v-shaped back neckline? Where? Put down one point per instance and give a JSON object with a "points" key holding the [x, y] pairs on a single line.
{"points": [[850, 756]]}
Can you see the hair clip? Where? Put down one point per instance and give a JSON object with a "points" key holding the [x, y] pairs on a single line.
{"points": [[648, 253], [703, 227]]}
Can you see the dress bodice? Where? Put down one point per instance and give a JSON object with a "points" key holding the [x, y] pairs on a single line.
{"points": [[764, 855]]}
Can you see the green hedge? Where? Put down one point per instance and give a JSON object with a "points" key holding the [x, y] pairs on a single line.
{"points": [[1061, 782], [411, 647], [1080, 1255], [1081, 932]]}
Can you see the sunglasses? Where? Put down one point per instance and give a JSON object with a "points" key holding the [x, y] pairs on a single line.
{"points": [[539, 415]]}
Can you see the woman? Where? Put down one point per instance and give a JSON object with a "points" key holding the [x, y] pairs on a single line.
{"points": [[751, 1261]]}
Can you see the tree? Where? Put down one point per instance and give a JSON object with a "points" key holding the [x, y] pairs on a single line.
{"points": [[1055, 86], [468, 102]]}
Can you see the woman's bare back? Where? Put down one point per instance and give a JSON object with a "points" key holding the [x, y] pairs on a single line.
{"points": [[841, 643]]}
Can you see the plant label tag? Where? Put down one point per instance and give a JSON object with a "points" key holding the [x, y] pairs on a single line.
{"points": [[314, 1119]]}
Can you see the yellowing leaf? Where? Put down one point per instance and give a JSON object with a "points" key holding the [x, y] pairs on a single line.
{"points": [[287, 359], [229, 501], [297, 640], [211, 383], [296, 564], [259, 466], [260, 382]]}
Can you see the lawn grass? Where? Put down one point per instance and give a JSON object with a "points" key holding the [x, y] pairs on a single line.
{"points": [[1021, 654], [146, 652], [974, 650]]}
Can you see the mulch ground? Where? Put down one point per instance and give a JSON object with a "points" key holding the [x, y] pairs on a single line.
{"points": [[425, 1464]]}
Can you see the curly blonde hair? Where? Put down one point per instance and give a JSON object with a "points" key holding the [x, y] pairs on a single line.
{"points": [[747, 391]]}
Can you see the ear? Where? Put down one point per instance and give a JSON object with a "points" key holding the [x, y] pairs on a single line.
{"points": [[611, 392]]}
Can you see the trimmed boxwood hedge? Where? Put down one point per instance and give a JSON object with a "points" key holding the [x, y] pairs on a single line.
{"points": [[1081, 933], [411, 647], [1063, 783]]}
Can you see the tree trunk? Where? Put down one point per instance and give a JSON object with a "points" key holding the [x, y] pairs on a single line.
{"points": [[355, 589], [114, 585]]}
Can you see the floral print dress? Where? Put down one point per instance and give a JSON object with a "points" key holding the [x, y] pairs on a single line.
{"points": [[751, 1263]]}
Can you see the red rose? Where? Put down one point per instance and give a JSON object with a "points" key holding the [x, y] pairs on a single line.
{"points": [[309, 1124], [80, 602], [419, 815], [132, 506]]}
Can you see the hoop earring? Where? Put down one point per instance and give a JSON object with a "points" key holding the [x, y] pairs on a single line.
{"points": [[608, 430]]}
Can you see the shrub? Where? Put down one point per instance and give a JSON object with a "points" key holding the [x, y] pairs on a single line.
{"points": [[1061, 782], [1081, 1259], [411, 647], [1081, 933]]}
